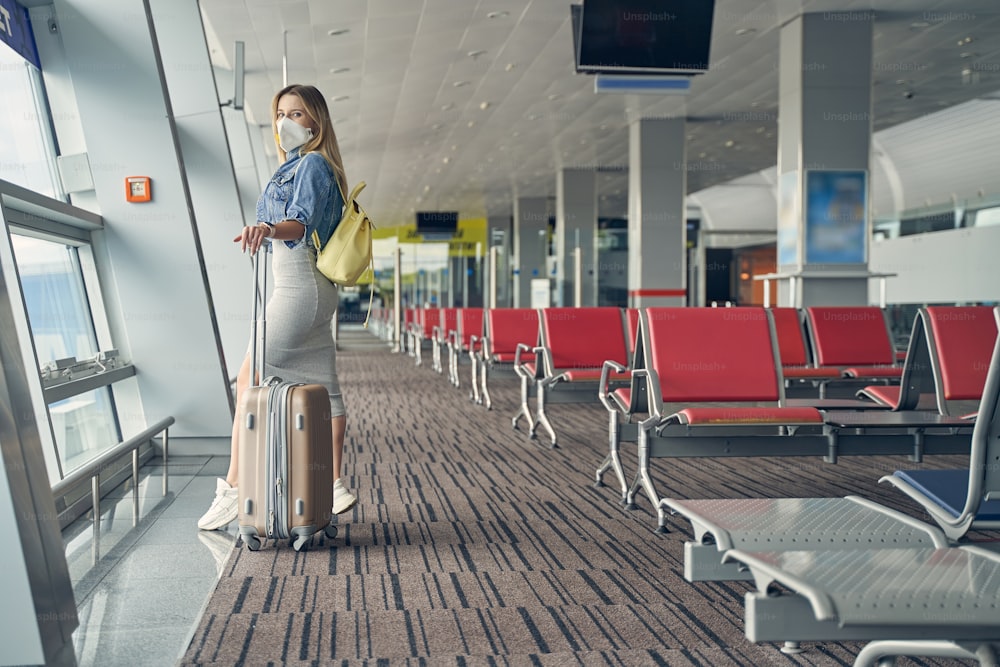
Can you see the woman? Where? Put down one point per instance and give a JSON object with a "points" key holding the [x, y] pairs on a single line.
{"points": [[305, 194]]}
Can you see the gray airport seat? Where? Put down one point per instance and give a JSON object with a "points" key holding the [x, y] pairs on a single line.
{"points": [[940, 602], [791, 523], [884, 651]]}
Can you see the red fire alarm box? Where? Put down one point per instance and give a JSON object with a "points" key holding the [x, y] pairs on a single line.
{"points": [[137, 188]]}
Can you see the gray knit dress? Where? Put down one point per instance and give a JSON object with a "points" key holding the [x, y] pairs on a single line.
{"points": [[299, 341], [300, 345]]}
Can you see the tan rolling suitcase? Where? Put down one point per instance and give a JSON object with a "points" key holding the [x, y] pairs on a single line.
{"points": [[285, 452]]}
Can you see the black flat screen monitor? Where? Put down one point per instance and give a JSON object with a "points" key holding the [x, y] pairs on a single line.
{"points": [[645, 36], [437, 222]]}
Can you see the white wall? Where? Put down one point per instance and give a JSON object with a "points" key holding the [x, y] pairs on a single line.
{"points": [[959, 265], [206, 154]]}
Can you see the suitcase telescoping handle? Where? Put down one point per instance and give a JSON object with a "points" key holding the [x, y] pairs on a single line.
{"points": [[258, 321]]}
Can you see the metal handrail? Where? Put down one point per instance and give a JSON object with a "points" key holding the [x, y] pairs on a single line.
{"points": [[96, 465]]}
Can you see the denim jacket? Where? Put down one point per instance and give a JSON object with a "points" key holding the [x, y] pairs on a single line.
{"points": [[303, 189]]}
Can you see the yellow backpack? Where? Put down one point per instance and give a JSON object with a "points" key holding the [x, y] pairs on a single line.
{"points": [[348, 254]]}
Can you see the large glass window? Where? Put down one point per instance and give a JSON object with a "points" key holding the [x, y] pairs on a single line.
{"points": [[26, 156], [62, 326]]}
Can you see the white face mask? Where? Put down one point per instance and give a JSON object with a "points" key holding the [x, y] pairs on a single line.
{"points": [[291, 135]]}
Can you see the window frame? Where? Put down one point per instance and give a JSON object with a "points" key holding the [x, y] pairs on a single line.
{"points": [[27, 213]]}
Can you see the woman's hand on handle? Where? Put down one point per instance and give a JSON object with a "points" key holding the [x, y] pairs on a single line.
{"points": [[252, 237]]}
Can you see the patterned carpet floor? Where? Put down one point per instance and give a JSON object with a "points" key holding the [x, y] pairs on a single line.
{"points": [[472, 544]]}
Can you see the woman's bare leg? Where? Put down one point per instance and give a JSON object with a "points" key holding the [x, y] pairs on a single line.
{"points": [[339, 425], [223, 509], [343, 500]]}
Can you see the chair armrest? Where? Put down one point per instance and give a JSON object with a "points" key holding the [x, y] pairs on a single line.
{"points": [[602, 388], [517, 353], [519, 365]]}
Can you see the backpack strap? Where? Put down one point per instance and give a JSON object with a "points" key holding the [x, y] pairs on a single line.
{"points": [[371, 267], [355, 192]]}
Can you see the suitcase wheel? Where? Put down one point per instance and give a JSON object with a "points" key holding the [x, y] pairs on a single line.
{"points": [[330, 531], [253, 544], [300, 542]]}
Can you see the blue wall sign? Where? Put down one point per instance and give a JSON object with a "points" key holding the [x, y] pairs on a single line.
{"points": [[15, 31]]}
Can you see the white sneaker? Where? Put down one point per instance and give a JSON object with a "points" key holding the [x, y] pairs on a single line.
{"points": [[224, 509], [343, 499]]}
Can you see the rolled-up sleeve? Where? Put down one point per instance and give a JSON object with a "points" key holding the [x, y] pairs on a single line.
{"points": [[310, 192]]}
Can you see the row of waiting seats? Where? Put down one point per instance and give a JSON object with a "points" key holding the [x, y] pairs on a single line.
{"points": [[824, 352], [817, 346], [848, 569], [713, 382]]}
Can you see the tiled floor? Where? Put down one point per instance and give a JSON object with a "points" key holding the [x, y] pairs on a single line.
{"points": [[140, 589]]}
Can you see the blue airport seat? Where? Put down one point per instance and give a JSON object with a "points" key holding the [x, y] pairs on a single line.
{"points": [[948, 489]]}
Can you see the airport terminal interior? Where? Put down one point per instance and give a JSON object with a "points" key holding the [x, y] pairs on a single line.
{"points": [[674, 341]]}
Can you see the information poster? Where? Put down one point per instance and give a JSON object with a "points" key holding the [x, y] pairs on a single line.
{"points": [[836, 217]]}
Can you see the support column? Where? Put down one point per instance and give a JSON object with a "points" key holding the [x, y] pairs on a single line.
{"points": [[531, 246], [824, 145], [657, 184], [576, 228], [498, 235]]}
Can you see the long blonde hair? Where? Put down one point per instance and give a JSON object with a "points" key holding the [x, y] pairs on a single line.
{"points": [[324, 141]]}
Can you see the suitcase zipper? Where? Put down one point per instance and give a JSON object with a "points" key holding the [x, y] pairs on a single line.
{"points": [[269, 459], [275, 402], [276, 461], [282, 452]]}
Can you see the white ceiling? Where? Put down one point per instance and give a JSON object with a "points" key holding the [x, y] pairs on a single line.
{"points": [[466, 104]]}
